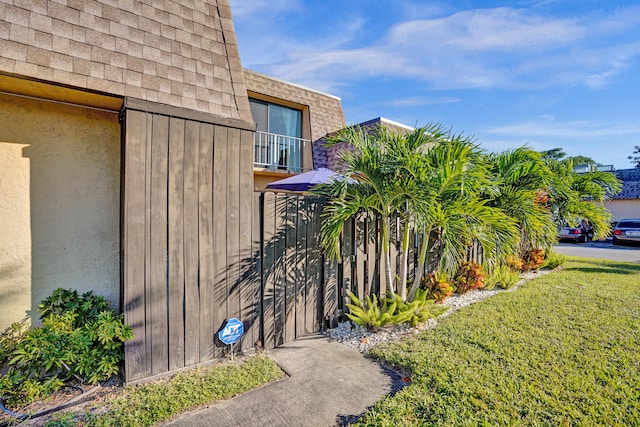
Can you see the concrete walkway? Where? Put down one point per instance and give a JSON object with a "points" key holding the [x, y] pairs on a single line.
{"points": [[328, 384]]}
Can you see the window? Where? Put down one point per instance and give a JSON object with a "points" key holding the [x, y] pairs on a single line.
{"points": [[276, 119], [278, 143]]}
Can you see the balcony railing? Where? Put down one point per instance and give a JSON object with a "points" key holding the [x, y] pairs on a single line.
{"points": [[278, 152]]}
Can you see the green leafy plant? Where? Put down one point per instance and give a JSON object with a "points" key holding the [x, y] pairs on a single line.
{"points": [[370, 313], [9, 340], [86, 306], [553, 260], [80, 337], [438, 286], [420, 309], [503, 277], [392, 310], [469, 276]]}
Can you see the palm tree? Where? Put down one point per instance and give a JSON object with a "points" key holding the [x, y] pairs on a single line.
{"points": [[453, 177], [374, 186], [433, 181], [521, 182]]}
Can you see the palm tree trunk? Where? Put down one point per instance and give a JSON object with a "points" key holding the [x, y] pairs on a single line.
{"points": [[404, 261], [422, 260], [384, 223]]}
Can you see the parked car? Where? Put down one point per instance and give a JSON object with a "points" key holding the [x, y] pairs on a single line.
{"points": [[626, 231], [579, 234], [574, 234]]}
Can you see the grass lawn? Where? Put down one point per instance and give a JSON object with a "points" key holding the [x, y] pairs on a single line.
{"points": [[149, 404], [564, 350]]}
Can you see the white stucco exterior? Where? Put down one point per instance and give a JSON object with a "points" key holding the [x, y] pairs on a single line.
{"points": [[59, 203]]}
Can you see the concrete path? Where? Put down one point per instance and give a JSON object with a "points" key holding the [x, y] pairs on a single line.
{"points": [[328, 384]]}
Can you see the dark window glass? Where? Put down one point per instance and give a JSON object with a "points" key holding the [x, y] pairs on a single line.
{"points": [[277, 119], [629, 224]]}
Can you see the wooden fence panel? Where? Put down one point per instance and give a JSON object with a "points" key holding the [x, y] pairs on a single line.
{"points": [[133, 242], [220, 284], [279, 273], [268, 239], [203, 134], [372, 254], [233, 223], [290, 271], [360, 255], [347, 263], [249, 310], [300, 261], [257, 231], [158, 244], [314, 260], [191, 254], [176, 245]]}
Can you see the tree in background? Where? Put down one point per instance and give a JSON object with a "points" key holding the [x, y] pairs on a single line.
{"points": [[521, 179], [635, 158]]}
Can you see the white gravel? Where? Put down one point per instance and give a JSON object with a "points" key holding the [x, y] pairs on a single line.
{"points": [[359, 338]]}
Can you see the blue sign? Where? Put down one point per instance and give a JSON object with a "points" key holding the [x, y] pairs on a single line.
{"points": [[231, 332]]}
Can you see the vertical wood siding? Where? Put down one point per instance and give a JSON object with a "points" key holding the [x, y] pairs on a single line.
{"points": [[187, 247]]}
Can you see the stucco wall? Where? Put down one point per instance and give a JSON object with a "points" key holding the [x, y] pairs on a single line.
{"points": [[621, 209], [59, 203], [183, 54]]}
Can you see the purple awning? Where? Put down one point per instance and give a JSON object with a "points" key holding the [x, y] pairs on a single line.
{"points": [[306, 180]]}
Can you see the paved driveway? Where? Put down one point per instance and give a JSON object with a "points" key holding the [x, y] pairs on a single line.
{"points": [[600, 250]]}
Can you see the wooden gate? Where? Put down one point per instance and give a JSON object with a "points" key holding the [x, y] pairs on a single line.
{"points": [[187, 261]]}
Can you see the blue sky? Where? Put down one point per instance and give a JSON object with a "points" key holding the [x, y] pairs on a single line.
{"points": [[545, 73]]}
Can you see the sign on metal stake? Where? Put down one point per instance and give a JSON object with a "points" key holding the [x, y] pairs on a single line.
{"points": [[231, 333]]}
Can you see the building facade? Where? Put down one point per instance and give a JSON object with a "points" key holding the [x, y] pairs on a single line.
{"points": [[626, 204], [126, 143]]}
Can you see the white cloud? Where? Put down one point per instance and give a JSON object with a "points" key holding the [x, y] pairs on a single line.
{"points": [[482, 48], [577, 137], [489, 30], [417, 101], [577, 129], [258, 9]]}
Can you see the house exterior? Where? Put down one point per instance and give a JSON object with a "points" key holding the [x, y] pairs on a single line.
{"points": [[626, 204], [131, 144], [126, 142]]}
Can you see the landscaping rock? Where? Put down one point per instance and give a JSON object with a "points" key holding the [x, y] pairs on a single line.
{"points": [[362, 339]]}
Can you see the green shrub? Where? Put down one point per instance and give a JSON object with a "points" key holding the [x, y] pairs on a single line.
{"points": [[9, 340], [420, 309], [553, 260], [80, 337], [392, 310], [370, 313], [502, 276]]}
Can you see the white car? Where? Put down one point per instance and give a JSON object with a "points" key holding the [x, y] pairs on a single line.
{"points": [[626, 231]]}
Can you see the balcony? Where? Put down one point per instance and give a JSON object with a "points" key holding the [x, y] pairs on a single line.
{"points": [[279, 152]]}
